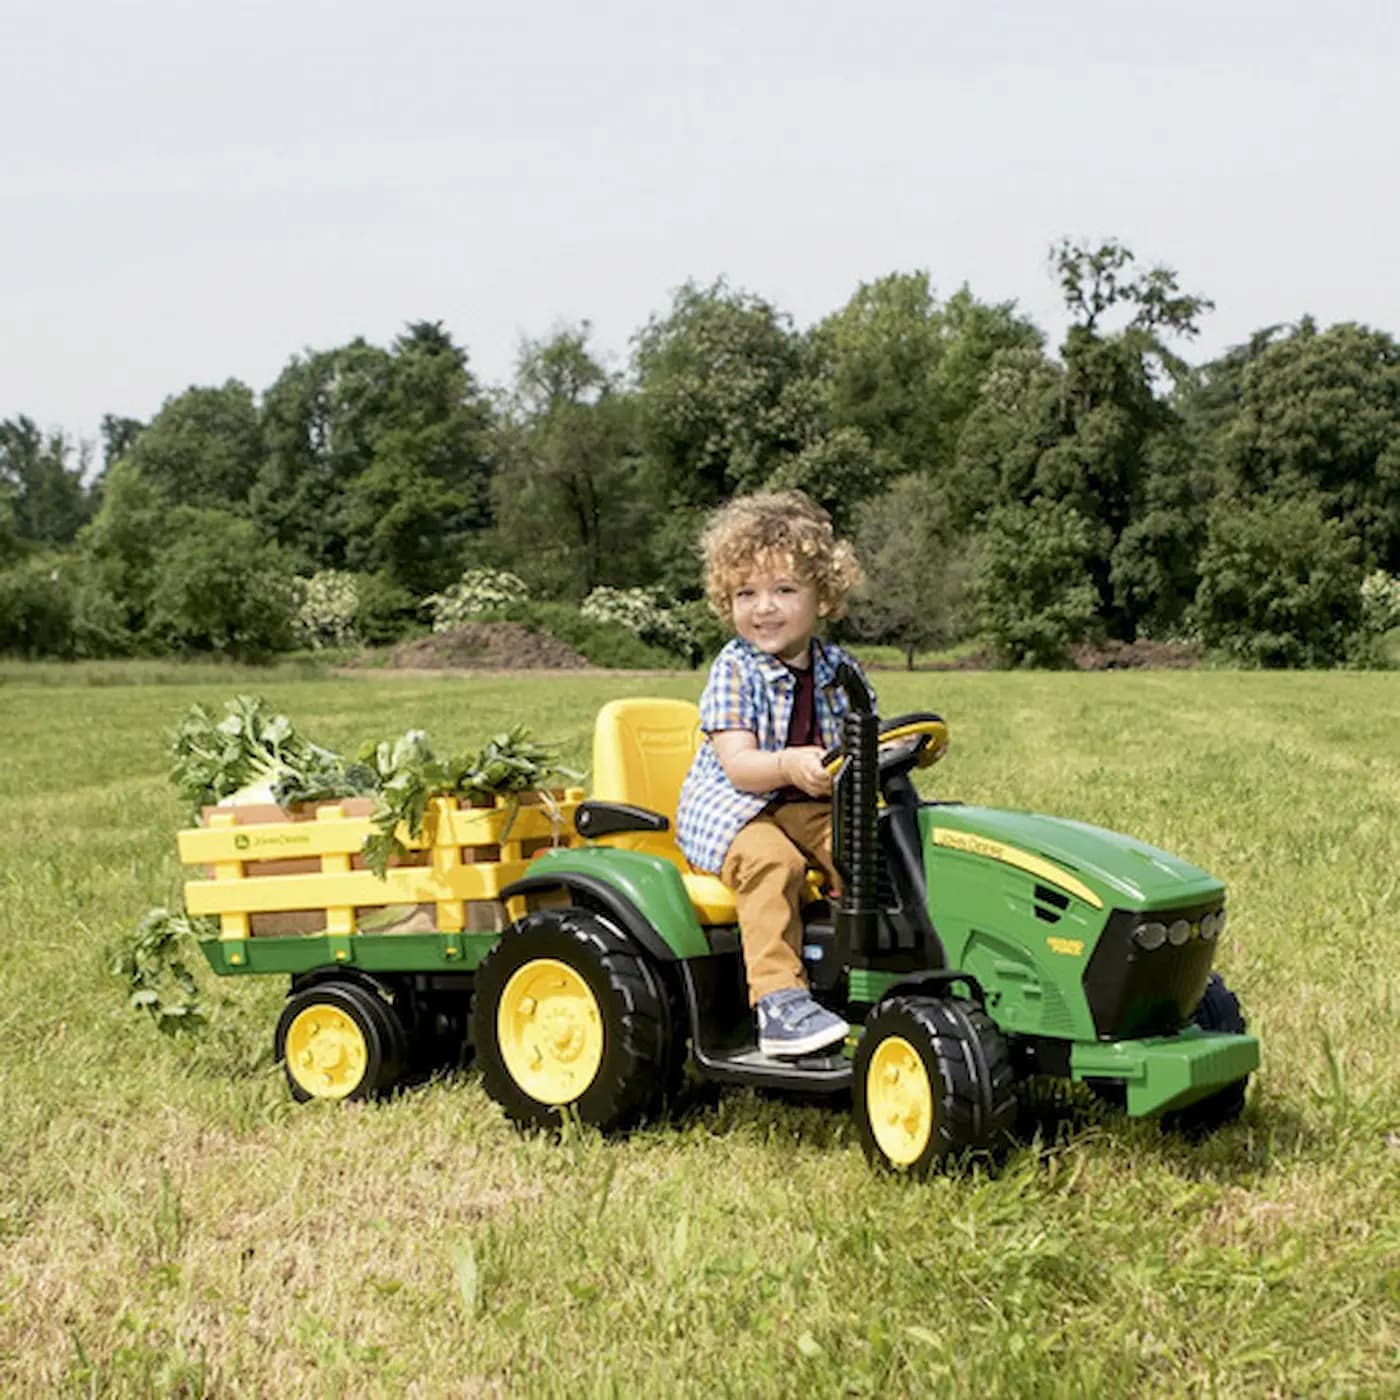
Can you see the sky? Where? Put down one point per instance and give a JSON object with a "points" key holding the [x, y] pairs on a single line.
{"points": [[192, 192]]}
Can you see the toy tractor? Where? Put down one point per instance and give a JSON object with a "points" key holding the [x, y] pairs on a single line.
{"points": [[971, 949]]}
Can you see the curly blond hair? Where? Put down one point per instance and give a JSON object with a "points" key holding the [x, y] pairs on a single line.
{"points": [[776, 531]]}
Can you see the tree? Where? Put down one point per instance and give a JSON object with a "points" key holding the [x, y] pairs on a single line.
{"points": [[410, 514], [203, 447], [118, 436], [1091, 435], [1280, 583], [321, 420], [721, 387], [905, 371], [220, 588], [121, 546], [47, 501], [916, 571], [1318, 414], [1034, 594], [572, 511]]}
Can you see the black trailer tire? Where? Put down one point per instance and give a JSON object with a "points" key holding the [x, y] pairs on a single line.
{"points": [[337, 1039], [932, 1083], [1219, 1010], [570, 1016]]}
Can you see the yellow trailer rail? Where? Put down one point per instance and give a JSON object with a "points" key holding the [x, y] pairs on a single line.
{"points": [[292, 893]]}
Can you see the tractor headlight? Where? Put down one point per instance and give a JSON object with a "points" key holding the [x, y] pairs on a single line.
{"points": [[1210, 924], [1150, 936], [1178, 933]]}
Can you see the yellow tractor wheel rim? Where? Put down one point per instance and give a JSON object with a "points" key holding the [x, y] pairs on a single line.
{"points": [[326, 1052], [899, 1101], [550, 1031]]}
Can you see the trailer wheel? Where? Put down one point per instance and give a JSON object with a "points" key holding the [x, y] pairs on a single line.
{"points": [[1219, 1010], [932, 1081], [569, 1015], [339, 1040]]}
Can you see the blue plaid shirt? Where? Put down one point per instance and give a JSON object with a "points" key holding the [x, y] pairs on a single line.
{"points": [[748, 689]]}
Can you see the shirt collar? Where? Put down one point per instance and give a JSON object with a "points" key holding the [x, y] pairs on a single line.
{"points": [[776, 672]]}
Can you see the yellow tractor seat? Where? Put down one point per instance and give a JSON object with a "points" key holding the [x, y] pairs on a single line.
{"points": [[642, 750]]}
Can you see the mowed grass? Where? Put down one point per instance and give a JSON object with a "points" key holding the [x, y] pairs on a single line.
{"points": [[171, 1223]]}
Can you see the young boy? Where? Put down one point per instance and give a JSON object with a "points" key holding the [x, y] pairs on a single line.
{"points": [[756, 805]]}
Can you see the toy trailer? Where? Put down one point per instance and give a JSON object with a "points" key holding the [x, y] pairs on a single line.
{"points": [[381, 969]]}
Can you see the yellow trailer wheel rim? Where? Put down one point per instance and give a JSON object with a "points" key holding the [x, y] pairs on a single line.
{"points": [[326, 1052], [899, 1101], [550, 1030]]}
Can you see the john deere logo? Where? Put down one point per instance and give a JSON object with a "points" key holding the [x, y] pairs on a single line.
{"points": [[241, 842]]}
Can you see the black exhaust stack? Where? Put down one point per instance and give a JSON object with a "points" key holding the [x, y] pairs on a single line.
{"points": [[855, 795]]}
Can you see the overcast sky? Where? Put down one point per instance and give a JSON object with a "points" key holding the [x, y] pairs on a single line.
{"points": [[191, 192]]}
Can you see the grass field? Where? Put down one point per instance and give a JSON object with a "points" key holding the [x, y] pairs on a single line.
{"points": [[170, 1223]]}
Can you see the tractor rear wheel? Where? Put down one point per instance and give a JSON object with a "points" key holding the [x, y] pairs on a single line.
{"points": [[932, 1082], [1219, 1011], [338, 1039], [568, 1014]]}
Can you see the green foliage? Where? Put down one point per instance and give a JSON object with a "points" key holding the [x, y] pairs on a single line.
{"points": [[1032, 589], [916, 572], [1318, 413], [721, 390], [1280, 584], [45, 500], [221, 588], [647, 615], [36, 608], [152, 963], [385, 611], [476, 593], [409, 773], [256, 753], [203, 447], [573, 508], [328, 609]]}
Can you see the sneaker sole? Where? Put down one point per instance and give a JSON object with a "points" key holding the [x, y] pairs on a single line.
{"points": [[818, 1040]]}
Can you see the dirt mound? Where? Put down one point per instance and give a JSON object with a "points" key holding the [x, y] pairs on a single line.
{"points": [[1140, 655], [493, 646]]}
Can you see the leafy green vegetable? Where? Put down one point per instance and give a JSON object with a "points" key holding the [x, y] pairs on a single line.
{"points": [[159, 981], [410, 773], [254, 752]]}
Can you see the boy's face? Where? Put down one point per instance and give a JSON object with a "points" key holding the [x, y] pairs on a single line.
{"points": [[777, 611]]}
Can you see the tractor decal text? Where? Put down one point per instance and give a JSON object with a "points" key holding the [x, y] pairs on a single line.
{"points": [[1069, 947], [1022, 860]]}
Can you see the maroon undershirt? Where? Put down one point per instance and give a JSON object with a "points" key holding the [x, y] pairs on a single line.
{"points": [[802, 726]]}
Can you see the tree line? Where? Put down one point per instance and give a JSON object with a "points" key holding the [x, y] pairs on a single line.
{"points": [[1108, 491]]}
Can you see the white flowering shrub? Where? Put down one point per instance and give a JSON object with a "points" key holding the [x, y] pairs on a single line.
{"points": [[645, 614], [1380, 603], [328, 603], [478, 591]]}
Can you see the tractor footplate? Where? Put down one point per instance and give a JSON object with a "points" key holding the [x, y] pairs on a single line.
{"points": [[811, 1074]]}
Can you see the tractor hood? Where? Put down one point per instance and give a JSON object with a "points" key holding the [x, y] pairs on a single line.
{"points": [[1121, 871]]}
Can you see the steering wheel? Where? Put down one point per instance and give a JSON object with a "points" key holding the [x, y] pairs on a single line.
{"points": [[906, 742]]}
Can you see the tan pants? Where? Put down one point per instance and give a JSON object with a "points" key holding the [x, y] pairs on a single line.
{"points": [[766, 866]]}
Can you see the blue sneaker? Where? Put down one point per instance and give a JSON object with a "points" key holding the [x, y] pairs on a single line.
{"points": [[791, 1023]]}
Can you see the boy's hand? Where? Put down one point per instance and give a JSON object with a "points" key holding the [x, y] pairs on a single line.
{"points": [[804, 769]]}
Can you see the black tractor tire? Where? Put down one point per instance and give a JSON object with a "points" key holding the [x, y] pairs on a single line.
{"points": [[339, 1039], [569, 1016], [938, 1075], [1219, 1010]]}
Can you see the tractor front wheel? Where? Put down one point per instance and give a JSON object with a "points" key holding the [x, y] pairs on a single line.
{"points": [[338, 1039], [932, 1082], [569, 1014]]}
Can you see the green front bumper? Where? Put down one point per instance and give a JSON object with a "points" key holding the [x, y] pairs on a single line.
{"points": [[1167, 1071]]}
